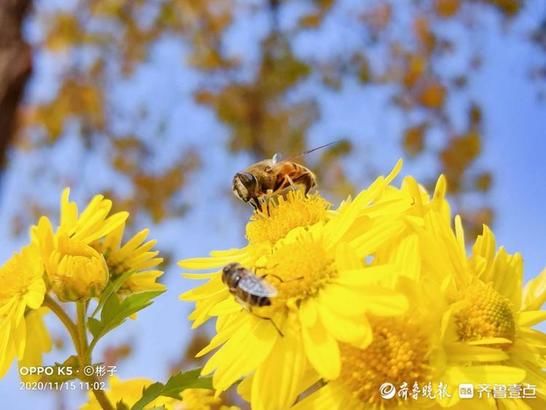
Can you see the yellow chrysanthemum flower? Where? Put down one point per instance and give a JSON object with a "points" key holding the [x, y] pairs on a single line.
{"points": [[75, 270], [404, 349], [130, 391], [317, 261], [86, 251], [135, 256], [409, 352], [489, 311], [22, 287]]}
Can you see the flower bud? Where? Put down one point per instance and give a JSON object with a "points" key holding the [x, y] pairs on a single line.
{"points": [[76, 271]]}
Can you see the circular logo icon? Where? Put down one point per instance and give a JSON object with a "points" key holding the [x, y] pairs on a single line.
{"points": [[88, 370], [387, 391]]}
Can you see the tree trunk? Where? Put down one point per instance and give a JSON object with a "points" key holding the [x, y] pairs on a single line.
{"points": [[15, 68]]}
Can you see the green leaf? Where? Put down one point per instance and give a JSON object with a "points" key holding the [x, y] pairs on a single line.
{"points": [[94, 326], [189, 379], [112, 288], [111, 306], [115, 312], [174, 386]]}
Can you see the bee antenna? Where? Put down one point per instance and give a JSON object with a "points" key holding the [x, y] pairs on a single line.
{"points": [[321, 147], [316, 149]]}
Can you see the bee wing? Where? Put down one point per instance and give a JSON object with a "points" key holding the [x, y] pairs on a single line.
{"points": [[254, 285]]}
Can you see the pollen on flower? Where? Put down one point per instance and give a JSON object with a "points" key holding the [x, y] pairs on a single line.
{"points": [[398, 353], [485, 314], [286, 213], [299, 269]]}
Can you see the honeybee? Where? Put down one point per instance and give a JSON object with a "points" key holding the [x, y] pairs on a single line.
{"points": [[249, 289], [273, 177]]}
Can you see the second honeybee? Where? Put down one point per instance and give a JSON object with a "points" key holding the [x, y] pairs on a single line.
{"points": [[249, 289]]}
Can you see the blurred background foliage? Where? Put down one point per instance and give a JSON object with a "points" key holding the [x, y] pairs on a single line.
{"points": [[268, 94], [259, 95]]}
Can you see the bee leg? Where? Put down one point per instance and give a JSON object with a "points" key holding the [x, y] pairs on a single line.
{"points": [[307, 181], [267, 207], [291, 183], [270, 319], [255, 203]]}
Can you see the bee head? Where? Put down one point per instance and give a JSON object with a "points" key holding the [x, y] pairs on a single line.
{"points": [[229, 270], [244, 185]]}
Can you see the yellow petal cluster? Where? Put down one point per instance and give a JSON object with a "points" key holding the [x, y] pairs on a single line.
{"points": [[22, 291], [73, 262], [85, 252], [75, 270], [380, 289]]}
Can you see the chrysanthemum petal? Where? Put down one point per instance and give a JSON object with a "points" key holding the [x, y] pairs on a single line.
{"points": [[229, 325], [202, 309], [362, 277], [322, 350], [227, 306], [199, 276], [326, 398], [534, 293], [284, 369], [36, 346], [384, 302], [379, 233], [232, 360], [344, 300], [308, 313], [484, 341], [533, 337], [508, 275], [407, 258], [459, 235], [461, 352], [211, 288], [484, 374], [531, 317], [347, 258], [355, 331], [212, 262]]}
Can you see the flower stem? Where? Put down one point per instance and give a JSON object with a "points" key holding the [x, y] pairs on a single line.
{"points": [[64, 318], [78, 334], [82, 334], [85, 354], [103, 400]]}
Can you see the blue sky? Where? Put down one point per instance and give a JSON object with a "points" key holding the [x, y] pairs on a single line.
{"points": [[515, 150]]}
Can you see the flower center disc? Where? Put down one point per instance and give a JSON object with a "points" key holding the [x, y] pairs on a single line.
{"points": [[299, 269], [486, 314], [397, 354], [283, 214]]}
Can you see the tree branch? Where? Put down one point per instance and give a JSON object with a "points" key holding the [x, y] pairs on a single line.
{"points": [[15, 68]]}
